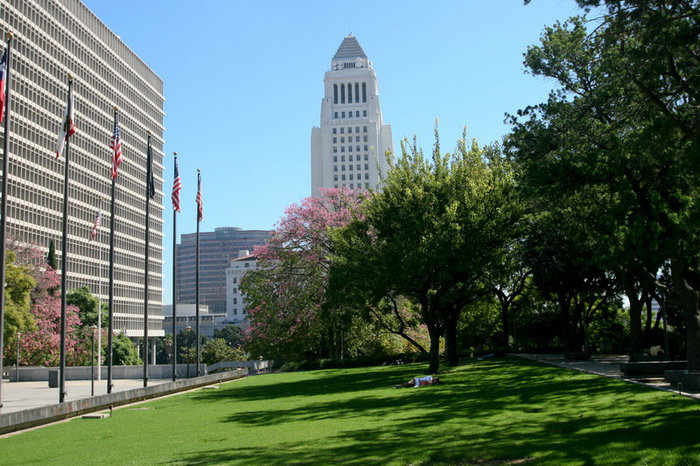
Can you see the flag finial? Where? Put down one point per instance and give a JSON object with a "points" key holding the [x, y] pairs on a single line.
{"points": [[148, 131], [70, 77], [175, 154], [116, 108], [8, 35]]}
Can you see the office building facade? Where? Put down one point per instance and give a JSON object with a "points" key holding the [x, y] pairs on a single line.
{"points": [[52, 40], [236, 309], [216, 250], [349, 148]]}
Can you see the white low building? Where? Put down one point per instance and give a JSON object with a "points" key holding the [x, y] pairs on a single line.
{"points": [[235, 301], [187, 317]]}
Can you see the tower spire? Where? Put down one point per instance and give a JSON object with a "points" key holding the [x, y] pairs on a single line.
{"points": [[350, 48]]}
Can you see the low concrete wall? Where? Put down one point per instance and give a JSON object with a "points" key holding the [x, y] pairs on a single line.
{"points": [[18, 420], [254, 366], [651, 367], [159, 371], [683, 379]]}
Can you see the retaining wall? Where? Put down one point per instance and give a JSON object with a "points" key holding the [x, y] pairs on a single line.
{"points": [[160, 371], [255, 366], [18, 420], [642, 368]]}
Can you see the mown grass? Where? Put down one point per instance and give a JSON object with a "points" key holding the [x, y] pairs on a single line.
{"points": [[495, 411]]}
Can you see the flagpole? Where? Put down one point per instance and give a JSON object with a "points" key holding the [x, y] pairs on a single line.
{"points": [[199, 190], [110, 332], [174, 298], [64, 259], [149, 184], [99, 297], [3, 205]]}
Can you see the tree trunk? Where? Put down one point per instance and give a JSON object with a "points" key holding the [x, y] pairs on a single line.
{"points": [[434, 331], [566, 324], [570, 321], [646, 338], [451, 351], [689, 300], [635, 313], [504, 305], [579, 327], [692, 322], [434, 349]]}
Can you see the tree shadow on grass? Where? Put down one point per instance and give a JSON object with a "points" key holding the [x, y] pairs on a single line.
{"points": [[315, 383], [498, 410], [416, 441]]}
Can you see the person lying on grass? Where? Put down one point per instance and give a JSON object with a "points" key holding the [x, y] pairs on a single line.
{"points": [[420, 382]]}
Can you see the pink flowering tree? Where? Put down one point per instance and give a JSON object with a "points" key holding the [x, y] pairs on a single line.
{"points": [[286, 294], [42, 345]]}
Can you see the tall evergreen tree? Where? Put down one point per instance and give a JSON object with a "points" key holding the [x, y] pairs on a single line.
{"points": [[51, 256]]}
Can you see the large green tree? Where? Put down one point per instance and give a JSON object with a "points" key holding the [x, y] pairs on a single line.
{"points": [[88, 305], [232, 334], [430, 234], [124, 352], [218, 350], [624, 124]]}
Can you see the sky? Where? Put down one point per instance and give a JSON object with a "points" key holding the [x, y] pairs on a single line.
{"points": [[243, 83]]}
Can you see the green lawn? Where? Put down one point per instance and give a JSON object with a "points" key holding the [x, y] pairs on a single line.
{"points": [[495, 411]]}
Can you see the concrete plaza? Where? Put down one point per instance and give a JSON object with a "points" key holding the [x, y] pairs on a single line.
{"points": [[18, 396]]}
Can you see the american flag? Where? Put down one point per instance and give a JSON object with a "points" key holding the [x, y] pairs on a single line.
{"points": [[93, 233], [3, 75], [200, 206], [68, 125], [116, 145], [177, 186]]}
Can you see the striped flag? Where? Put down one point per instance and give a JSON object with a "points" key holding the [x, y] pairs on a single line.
{"points": [[93, 233], [200, 206], [116, 145], [177, 186], [3, 76], [68, 125]]}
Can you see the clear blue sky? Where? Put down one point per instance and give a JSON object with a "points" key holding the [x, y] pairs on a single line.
{"points": [[244, 81]]}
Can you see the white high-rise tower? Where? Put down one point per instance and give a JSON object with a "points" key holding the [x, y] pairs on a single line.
{"points": [[349, 148]]}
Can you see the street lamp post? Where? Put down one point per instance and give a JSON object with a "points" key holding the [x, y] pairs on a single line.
{"points": [[189, 348], [92, 359], [19, 338]]}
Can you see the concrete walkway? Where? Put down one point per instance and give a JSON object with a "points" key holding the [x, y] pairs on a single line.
{"points": [[606, 365], [18, 396]]}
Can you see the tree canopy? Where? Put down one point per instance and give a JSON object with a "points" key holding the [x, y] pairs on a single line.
{"points": [[619, 139], [431, 232]]}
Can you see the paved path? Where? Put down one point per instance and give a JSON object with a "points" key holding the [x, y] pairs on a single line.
{"points": [[17, 396], [607, 365]]}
